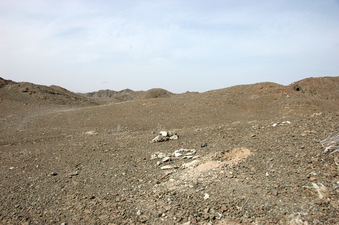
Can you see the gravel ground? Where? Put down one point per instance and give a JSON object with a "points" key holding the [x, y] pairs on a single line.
{"points": [[258, 159]]}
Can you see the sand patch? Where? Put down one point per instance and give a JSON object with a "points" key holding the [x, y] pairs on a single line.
{"points": [[203, 169]]}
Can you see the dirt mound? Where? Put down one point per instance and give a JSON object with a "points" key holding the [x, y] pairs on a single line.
{"points": [[326, 88], [250, 154], [157, 93]]}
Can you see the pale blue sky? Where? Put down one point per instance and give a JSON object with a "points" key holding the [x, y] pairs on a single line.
{"points": [[179, 45]]}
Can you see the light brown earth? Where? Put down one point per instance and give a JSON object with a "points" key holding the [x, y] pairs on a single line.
{"points": [[70, 159]]}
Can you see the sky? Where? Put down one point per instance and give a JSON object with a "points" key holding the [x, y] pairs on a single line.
{"points": [[178, 45]]}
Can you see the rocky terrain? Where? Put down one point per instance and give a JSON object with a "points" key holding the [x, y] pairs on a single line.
{"points": [[127, 95], [249, 154]]}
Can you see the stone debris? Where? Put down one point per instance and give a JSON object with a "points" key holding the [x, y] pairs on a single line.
{"points": [[158, 155], [274, 192], [281, 123], [204, 145], [181, 154], [169, 167], [331, 144], [322, 190], [76, 173], [184, 152], [92, 132], [165, 136], [166, 159]]}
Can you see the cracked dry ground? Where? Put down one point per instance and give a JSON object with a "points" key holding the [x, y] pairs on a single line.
{"points": [[260, 171]]}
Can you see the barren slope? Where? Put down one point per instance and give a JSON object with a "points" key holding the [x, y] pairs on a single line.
{"points": [[263, 163]]}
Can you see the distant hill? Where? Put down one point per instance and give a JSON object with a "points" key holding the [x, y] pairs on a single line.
{"points": [[32, 93], [128, 94], [112, 96], [315, 90]]}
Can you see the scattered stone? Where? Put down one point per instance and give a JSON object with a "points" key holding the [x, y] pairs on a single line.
{"points": [[159, 138], [143, 219], [53, 174], [281, 123], [165, 136], [223, 208], [72, 174], [206, 196], [158, 155], [139, 212], [92, 132], [218, 216], [184, 152], [274, 192], [204, 145], [174, 137], [313, 179], [166, 159], [163, 133], [168, 167], [308, 132], [331, 144]]}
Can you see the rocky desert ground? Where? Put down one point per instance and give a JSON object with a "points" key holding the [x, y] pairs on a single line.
{"points": [[250, 154]]}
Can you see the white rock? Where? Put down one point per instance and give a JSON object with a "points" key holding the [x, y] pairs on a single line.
{"points": [[158, 155], [177, 154], [161, 155], [185, 152], [163, 133], [174, 137], [206, 196], [165, 159], [92, 132], [154, 156], [168, 167]]}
